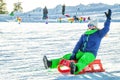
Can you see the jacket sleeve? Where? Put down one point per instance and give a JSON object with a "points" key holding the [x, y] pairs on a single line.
{"points": [[104, 31], [77, 46]]}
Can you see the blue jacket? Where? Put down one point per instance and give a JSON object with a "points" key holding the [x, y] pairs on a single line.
{"points": [[91, 42]]}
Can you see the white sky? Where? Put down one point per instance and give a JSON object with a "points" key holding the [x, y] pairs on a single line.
{"points": [[32, 4]]}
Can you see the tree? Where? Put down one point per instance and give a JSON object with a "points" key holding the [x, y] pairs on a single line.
{"points": [[45, 12], [17, 7], [63, 9], [3, 9], [12, 13]]}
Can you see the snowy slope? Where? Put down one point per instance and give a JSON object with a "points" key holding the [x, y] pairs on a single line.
{"points": [[22, 47]]}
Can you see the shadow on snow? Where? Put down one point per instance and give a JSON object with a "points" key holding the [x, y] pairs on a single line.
{"points": [[91, 76]]}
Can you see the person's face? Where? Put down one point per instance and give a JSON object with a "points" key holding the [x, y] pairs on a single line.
{"points": [[91, 26]]}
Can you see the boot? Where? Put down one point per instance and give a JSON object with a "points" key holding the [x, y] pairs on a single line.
{"points": [[46, 62], [72, 68]]}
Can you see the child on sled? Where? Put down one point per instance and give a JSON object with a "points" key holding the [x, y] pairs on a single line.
{"points": [[86, 48]]}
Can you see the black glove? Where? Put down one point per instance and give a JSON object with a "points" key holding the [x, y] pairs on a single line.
{"points": [[73, 56], [108, 15]]}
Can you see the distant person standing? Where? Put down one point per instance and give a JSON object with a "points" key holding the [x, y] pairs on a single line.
{"points": [[85, 51], [19, 19]]}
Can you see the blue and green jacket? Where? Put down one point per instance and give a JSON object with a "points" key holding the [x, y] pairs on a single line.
{"points": [[90, 40]]}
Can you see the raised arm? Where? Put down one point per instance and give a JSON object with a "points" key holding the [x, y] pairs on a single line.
{"points": [[104, 31]]}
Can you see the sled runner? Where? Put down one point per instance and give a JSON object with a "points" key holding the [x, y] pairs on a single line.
{"points": [[95, 66]]}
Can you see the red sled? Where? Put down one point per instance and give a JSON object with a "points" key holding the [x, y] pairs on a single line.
{"points": [[95, 66]]}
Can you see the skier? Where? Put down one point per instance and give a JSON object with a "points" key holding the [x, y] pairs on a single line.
{"points": [[86, 48]]}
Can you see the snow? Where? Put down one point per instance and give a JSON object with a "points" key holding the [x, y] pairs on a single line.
{"points": [[22, 47]]}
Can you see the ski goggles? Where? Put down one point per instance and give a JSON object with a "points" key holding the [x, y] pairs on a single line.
{"points": [[90, 25]]}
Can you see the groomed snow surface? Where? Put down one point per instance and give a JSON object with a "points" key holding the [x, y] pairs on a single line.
{"points": [[22, 47]]}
